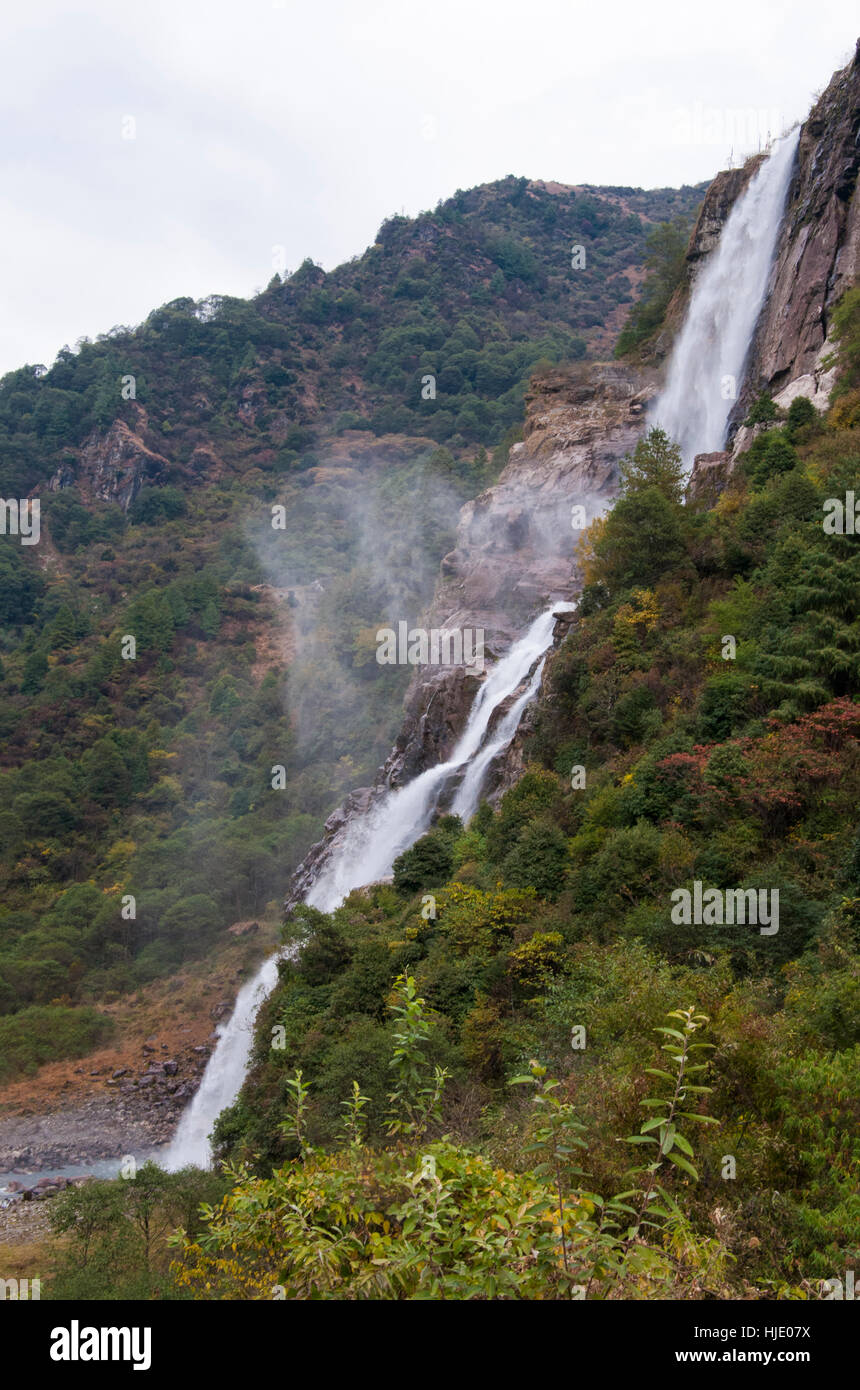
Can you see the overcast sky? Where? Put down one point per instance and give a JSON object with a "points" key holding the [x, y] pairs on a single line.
{"points": [[169, 147]]}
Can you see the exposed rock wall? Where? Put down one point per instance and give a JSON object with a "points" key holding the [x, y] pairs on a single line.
{"points": [[516, 547], [515, 555], [818, 254], [112, 467]]}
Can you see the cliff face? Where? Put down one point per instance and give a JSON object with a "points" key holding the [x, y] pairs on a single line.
{"points": [[516, 547], [113, 467], [818, 254], [516, 543], [515, 555]]}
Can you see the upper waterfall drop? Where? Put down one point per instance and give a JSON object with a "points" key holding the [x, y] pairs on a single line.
{"points": [[707, 363]]}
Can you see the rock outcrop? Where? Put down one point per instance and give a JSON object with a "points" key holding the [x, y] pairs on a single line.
{"points": [[112, 467], [709, 476], [516, 542]]}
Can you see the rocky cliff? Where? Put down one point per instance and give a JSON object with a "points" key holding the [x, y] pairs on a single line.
{"points": [[818, 255], [515, 555], [516, 547], [516, 544]]}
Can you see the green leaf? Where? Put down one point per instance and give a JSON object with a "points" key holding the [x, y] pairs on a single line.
{"points": [[682, 1163], [683, 1144], [653, 1071]]}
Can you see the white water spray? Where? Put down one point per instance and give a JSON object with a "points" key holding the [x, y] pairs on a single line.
{"points": [[372, 843], [707, 363]]}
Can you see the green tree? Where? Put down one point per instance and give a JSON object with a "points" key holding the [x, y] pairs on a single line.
{"points": [[665, 259], [655, 462], [642, 539]]}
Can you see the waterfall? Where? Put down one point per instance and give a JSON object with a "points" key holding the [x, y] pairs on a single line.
{"points": [[465, 803], [704, 374], [372, 843], [374, 840], [707, 363], [223, 1077]]}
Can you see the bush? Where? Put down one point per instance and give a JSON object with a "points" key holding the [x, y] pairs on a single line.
{"points": [[156, 504], [538, 860], [426, 865]]}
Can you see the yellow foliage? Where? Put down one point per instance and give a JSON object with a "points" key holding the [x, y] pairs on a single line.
{"points": [[586, 557]]}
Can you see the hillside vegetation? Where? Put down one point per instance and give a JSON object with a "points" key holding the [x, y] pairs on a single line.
{"points": [[458, 1069], [152, 778]]}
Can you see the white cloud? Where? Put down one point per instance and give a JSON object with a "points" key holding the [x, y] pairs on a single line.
{"points": [[304, 125]]}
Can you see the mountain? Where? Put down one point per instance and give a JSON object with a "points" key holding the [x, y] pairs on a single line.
{"points": [[696, 731], [480, 1021], [140, 817]]}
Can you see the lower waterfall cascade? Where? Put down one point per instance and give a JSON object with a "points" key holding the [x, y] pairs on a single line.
{"points": [[373, 842]]}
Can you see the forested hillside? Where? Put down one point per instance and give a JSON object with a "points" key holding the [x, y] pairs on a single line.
{"points": [[459, 1060], [157, 454]]}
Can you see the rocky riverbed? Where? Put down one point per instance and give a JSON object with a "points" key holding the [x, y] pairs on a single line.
{"points": [[133, 1108]]}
